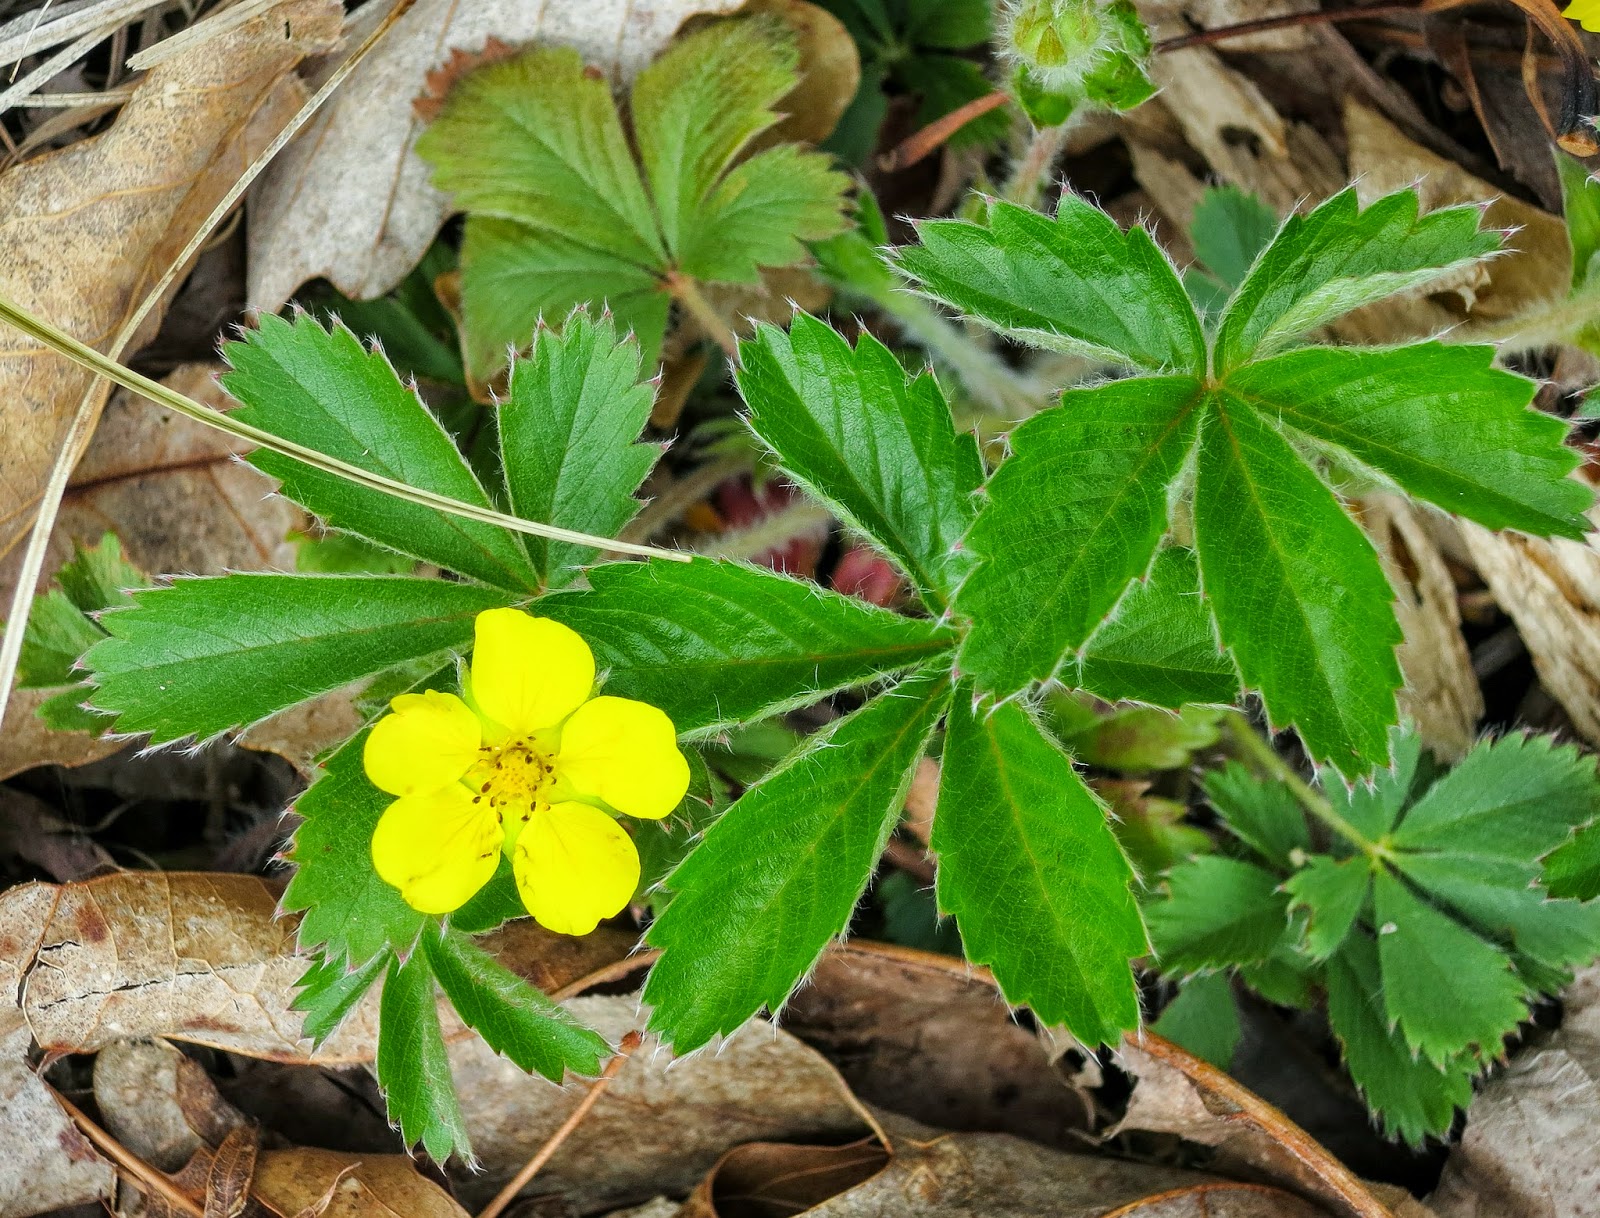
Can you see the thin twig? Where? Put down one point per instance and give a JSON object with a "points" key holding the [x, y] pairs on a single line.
{"points": [[128, 1164], [531, 1168], [1262, 25], [932, 137], [1260, 750]]}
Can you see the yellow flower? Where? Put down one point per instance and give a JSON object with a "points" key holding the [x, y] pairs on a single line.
{"points": [[528, 763], [1586, 13]]}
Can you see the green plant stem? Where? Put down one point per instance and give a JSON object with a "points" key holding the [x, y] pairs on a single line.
{"points": [[687, 293], [1027, 180], [1260, 750], [983, 373], [1554, 322]]}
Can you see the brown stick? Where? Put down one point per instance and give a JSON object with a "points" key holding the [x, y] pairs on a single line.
{"points": [[518, 1182], [128, 1164], [920, 143], [1289, 21]]}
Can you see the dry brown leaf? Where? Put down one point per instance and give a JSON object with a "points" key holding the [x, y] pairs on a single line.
{"points": [[1531, 1147], [1551, 590], [159, 1103], [26, 741], [971, 1176], [661, 1123], [349, 200], [1441, 694], [47, 1163], [1384, 159], [89, 228], [306, 1183], [830, 71]]}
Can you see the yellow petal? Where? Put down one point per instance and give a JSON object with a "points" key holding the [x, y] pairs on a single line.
{"points": [[528, 672], [625, 753], [574, 866], [429, 742], [1586, 13], [438, 849]]}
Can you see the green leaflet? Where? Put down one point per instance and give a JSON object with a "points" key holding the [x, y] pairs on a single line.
{"points": [[1073, 515], [205, 655], [1297, 592], [322, 389], [1573, 870], [568, 426], [877, 446], [1229, 230], [1580, 205], [1219, 911], [413, 1068], [328, 991], [715, 644], [1033, 874], [58, 634], [778, 874], [415, 331], [561, 215], [514, 1018], [1159, 646], [1446, 988], [1204, 1019], [1262, 815], [1339, 257], [1332, 891], [1439, 420], [1076, 283], [1414, 1097]]}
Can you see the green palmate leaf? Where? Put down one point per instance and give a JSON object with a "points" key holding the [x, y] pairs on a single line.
{"points": [[349, 911], [574, 409], [515, 1019], [1580, 203], [715, 644], [1446, 988], [1333, 892], [1076, 283], [1073, 515], [877, 446], [1033, 874], [1573, 870], [328, 991], [1229, 230], [1439, 420], [560, 215], [1374, 807], [1219, 911], [779, 873], [1297, 591], [1263, 815], [322, 389], [663, 844], [413, 1068], [1339, 257], [1413, 1097], [1204, 1019], [1160, 646], [205, 655]]}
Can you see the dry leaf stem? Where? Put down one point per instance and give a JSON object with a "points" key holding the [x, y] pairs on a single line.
{"points": [[129, 1165], [518, 1182]]}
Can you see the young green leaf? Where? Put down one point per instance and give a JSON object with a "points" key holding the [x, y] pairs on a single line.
{"points": [[1073, 515], [568, 426], [1446, 988], [515, 1019], [322, 389], [1219, 911], [1439, 420], [1339, 257], [1204, 1019], [1297, 591], [1414, 1097], [1373, 807], [714, 644], [99, 577], [1077, 283], [1033, 874], [560, 215], [414, 329], [328, 991], [1573, 869], [1159, 646], [778, 874], [1332, 891], [58, 634], [1263, 815], [877, 446], [205, 655], [1580, 204], [413, 1068], [1229, 230]]}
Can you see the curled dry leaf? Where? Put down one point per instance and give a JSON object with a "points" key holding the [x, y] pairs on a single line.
{"points": [[159, 1103], [969, 1175], [1441, 693], [47, 1163], [89, 228], [349, 199], [661, 1123], [1531, 1146], [306, 1183]]}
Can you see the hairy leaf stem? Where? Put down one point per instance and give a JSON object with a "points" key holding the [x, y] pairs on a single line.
{"points": [[1259, 750], [687, 293]]}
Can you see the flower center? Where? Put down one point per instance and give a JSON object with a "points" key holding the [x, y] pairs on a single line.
{"points": [[510, 778]]}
